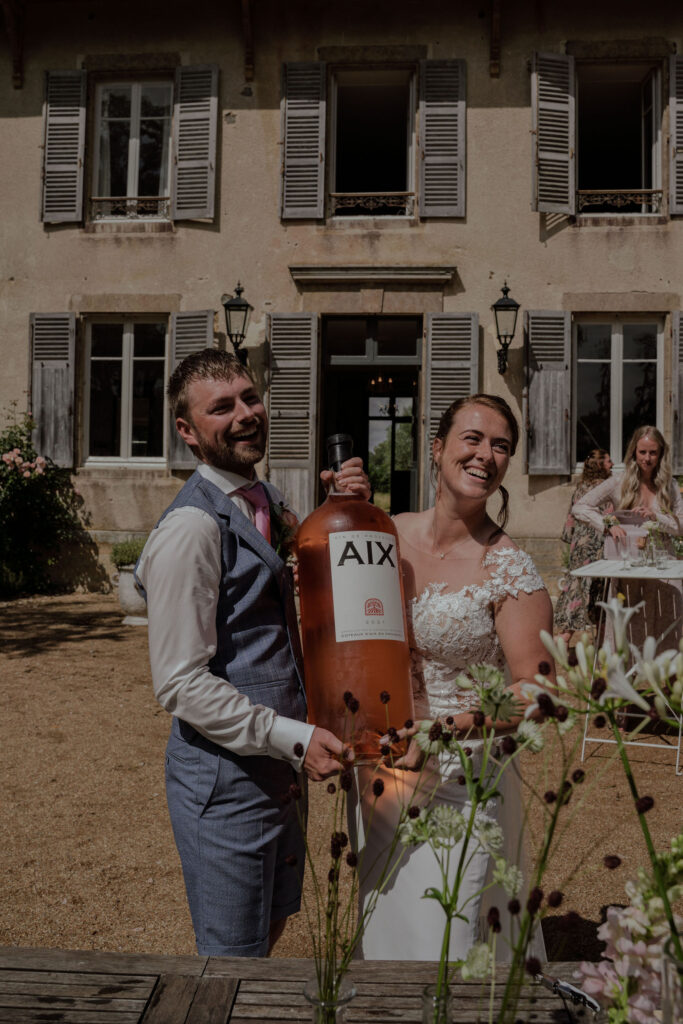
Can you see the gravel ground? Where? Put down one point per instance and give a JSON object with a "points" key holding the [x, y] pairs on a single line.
{"points": [[88, 856]]}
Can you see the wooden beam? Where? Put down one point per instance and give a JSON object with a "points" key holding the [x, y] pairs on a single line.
{"points": [[14, 24], [248, 35], [494, 50]]}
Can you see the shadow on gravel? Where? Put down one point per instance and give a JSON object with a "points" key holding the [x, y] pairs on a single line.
{"points": [[31, 629], [571, 937]]}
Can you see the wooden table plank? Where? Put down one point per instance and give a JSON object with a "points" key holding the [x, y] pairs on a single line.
{"points": [[92, 984], [99, 962], [213, 1001], [171, 1000], [23, 1016]]}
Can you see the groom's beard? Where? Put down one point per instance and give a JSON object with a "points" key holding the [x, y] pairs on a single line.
{"points": [[227, 454]]}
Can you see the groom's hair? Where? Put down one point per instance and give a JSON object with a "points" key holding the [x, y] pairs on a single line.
{"points": [[207, 364]]}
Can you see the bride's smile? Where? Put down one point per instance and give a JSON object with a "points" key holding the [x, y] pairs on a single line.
{"points": [[474, 456]]}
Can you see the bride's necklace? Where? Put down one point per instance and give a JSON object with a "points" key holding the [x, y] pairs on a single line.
{"points": [[456, 544]]}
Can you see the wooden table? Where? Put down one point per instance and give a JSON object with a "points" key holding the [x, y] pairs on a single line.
{"points": [[127, 988]]}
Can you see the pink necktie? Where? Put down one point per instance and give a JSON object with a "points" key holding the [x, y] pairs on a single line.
{"points": [[257, 497]]}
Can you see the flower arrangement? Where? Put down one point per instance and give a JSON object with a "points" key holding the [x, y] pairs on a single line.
{"points": [[283, 527]]}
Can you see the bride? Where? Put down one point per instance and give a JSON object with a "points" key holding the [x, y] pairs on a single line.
{"points": [[472, 596]]}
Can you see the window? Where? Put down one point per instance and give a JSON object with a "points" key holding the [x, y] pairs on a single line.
{"points": [[373, 153], [132, 150], [124, 389], [619, 138], [617, 383]]}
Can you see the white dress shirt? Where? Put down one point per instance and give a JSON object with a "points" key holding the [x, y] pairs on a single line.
{"points": [[180, 568]]}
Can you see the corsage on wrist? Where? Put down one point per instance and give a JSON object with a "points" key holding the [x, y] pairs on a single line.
{"points": [[609, 522]]}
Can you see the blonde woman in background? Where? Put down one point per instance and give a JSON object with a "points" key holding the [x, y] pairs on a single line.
{"points": [[648, 490], [575, 608]]}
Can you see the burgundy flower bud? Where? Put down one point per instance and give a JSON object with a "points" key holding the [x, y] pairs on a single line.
{"points": [[351, 859], [566, 792], [385, 696], [295, 791], [544, 668], [561, 713], [493, 915], [479, 719], [496, 927], [514, 906], [353, 705], [534, 902], [450, 720], [378, 787], [550, 797], [291, 859], [335, 848], [545, 705], [385, 750], [533, 966], [572, 659], [461, 780], [611, 861], [346, 780], [332, 875], [299, 749], [598, 688], [341, 838], [599, 721], [413, 811], [393, 735], [468, 751], [435, 731], [408, 723], [644, 804], [331, 788], [509, 746], [653, 714], [347, 697], [579, 775], [555, 898]]}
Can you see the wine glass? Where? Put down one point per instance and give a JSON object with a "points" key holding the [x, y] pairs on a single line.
{"points": [[623, 550]]}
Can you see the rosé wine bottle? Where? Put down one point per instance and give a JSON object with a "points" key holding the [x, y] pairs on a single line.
{"points": [[355, 637]]}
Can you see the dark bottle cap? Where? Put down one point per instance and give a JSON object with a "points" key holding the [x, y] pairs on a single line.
{"points": [[339, 449]]}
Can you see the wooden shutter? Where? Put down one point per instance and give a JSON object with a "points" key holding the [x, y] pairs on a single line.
{"points": [[442, 138], [676, 134], [548, 355], [64, 147], [190, 332], [553, 113], [451, 371], [195, 128], [303, 129], [677, 393], [293, 404], [53, 346]]}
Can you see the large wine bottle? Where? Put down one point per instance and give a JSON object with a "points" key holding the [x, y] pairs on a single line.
{"points": [[355, 638]]}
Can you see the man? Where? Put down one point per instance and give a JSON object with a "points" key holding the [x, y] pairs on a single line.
{"points": [[226, 663]]}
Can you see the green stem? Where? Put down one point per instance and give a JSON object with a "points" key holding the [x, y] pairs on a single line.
{"points": [[656, 870]]}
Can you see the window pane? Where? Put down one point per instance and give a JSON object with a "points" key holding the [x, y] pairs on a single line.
{"points": [[149, 340], [153, 167], [378, 406], [640, 397], [398, 337], [372, 138], [640, 341], [148, 408], [107, 340], [403, 454], [105, 407], [116, 101], [346, 337], [155, 100], [594, 341], [592, 408], [113, 171]]}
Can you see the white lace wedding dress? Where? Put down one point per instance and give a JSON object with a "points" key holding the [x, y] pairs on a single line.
{"points": [[451, 630]]}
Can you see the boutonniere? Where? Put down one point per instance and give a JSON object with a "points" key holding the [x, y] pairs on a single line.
{"points": [[283, 527]]}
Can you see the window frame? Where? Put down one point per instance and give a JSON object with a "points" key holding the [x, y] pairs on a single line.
{"points": [[95, 122], [334, 72], [617, 322], [128, 461]]}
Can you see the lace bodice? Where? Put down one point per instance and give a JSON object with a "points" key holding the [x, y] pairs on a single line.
{"points": [[452, 630]]}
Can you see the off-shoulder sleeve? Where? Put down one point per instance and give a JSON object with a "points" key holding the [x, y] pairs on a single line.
{"points": [[587, 508], [672, 522], [512, 573]]}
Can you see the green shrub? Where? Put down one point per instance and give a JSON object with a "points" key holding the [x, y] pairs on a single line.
{"points": [[127, 552], [44, 545]]}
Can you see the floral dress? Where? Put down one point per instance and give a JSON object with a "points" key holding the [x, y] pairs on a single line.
{"points": [[575, 609]]}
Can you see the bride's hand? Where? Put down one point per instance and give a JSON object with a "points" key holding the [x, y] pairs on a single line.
{"points": [[413, 758]]}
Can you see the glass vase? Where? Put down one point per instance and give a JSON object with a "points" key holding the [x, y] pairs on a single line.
{"points": [[672, 986], [327, 1007], [437, 1007]]}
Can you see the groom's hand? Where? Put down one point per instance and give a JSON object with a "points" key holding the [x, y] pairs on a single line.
{"points": [[324, 755]]}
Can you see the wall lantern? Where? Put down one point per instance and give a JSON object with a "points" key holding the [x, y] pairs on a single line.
{"points": [[505, 311], [237, 312]]}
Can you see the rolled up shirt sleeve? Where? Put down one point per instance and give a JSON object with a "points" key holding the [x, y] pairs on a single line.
{"points": [[180, 570]]}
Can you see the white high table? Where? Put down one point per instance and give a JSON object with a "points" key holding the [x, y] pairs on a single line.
{"points": [[608, 569]]}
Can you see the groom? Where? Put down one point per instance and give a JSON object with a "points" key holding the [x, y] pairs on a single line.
{"points": [[226, 663]]}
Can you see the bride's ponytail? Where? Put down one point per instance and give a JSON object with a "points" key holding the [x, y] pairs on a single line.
{"points": [[503, 513]]}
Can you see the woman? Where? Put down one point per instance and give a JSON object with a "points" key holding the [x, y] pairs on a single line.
{"points": [[575, 608], [472, 597], [647, 489]]}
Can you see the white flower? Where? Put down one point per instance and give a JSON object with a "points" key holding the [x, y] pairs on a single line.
{"points": [[508, 875], [477, 962], [489, 833], [558, 650], [621, 615], [531, 735], [618, 686], [568, 724], [448, 826], [531, 692]]}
